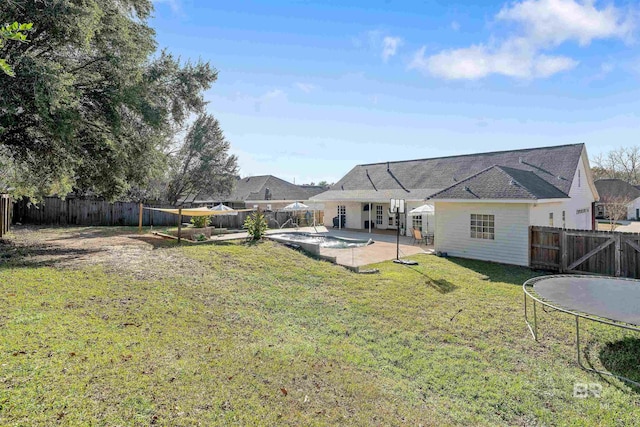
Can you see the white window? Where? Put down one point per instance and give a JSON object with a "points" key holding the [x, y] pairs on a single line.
{"points": [[417, 222], [379, 214], [483, 226]]}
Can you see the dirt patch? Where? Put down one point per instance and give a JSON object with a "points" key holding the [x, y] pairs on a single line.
{"points": [[119, 249]]}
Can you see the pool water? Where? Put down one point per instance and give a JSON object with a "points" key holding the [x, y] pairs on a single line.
{"points": [[321, 240]]}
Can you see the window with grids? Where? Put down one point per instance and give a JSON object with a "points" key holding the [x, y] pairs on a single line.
{"points": [[379, 214], [483, 226], [417, 222]]}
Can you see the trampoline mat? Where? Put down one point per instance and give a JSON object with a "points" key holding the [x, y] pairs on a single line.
{"points": [[609, 298]]}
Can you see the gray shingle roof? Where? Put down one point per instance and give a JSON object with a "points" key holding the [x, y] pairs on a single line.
{"points": [[499, 182], [255, 188], [419, 179], [616, 188]]}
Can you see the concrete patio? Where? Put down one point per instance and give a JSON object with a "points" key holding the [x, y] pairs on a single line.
{"points": [[384, 248]]}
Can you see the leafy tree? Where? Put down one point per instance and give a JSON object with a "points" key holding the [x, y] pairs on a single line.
{"points": [[93, 105], [202, 164], [15, 32]]}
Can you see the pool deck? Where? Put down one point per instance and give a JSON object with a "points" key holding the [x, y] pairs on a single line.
{"points": [[384, 248]]}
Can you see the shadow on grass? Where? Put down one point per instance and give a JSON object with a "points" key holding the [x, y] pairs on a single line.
{"points": [[13, 256], [622, 358], [441, 285], [496, 272]]}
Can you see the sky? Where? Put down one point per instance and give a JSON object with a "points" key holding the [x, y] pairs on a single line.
{"points": [[308, 89]]}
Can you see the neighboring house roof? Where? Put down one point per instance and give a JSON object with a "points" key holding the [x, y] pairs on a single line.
{"points": [[264, 187], [499, 182], [546, 168], [615, 189]]}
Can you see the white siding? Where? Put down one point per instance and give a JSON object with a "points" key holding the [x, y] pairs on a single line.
{"points": [[577, 208], [632, 209], [511, 244]]}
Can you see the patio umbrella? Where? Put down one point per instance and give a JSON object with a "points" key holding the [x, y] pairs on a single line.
{"points": [[296, 206], [423, 210], [223, 210]]}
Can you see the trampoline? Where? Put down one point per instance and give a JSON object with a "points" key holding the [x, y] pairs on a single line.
{"points": [[608, 300]]}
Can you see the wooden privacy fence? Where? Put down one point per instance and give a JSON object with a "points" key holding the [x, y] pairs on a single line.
{"points": [[585, 252], [89, 212], [5, 214], [92, 212]]}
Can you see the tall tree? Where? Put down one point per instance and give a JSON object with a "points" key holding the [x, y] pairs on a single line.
{"points": [[622, 163], [202, 165], [92, 104]]}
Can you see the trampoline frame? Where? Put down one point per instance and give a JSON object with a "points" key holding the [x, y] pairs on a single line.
{"points": [[527, 287]]}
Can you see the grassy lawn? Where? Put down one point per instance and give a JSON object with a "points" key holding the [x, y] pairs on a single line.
{"points": [[258, 334]]}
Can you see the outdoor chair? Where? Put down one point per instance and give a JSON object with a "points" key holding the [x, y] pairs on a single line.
{"points": [[418, 237]]}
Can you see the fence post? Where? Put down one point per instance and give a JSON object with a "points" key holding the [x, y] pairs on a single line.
{"points": [[618, 254], [563, 250]]}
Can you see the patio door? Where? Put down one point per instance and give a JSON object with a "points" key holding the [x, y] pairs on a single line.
{"points": [[342, 216]]}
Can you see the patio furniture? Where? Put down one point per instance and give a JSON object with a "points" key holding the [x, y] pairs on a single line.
{"points": [[428, 238], [417, 236], [339, 224]]}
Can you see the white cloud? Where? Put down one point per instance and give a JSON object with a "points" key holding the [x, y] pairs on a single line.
{"points": [[480, 61], [305, 87], [390, 46], [173, 4], [556, 21], [455, 26], [545, 25]]}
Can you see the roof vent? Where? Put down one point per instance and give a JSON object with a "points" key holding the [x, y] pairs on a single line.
{"points": [[559, 178], [388, 167], [342, 187], [466, 188], [267, 194], [520, 160], [512, 182], [454, 179]]}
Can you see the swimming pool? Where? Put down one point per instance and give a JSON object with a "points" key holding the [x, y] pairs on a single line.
{"points": [[320, 240]]}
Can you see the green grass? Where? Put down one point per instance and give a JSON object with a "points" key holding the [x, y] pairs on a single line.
{"points": [[258, 334]]}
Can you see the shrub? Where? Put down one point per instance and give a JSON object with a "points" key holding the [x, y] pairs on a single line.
{"points": [[200, 221], [256, 225]]}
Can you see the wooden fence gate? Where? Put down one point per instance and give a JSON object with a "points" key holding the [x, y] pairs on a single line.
{"points": [[585, 252], [5, 214]]}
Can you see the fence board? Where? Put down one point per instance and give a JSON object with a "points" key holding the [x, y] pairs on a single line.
{"points": [[585, 252], [5, 214]]}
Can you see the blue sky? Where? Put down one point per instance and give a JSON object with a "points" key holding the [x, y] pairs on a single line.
{"points": [[308, 89]]}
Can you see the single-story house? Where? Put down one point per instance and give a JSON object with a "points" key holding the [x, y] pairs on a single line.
{"points": [[483, 203], [266, 192], [614, 191]]}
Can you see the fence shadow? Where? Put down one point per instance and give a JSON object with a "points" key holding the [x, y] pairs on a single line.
{"points": [[621, 358], [495, 272]]}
